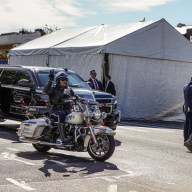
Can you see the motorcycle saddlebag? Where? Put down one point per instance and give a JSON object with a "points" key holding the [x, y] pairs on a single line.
{"points": [[32, 128]]}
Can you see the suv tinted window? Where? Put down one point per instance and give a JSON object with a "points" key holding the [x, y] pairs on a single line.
{"points": [[24, 75], [43, 76], [8, 77], [74, 79]]}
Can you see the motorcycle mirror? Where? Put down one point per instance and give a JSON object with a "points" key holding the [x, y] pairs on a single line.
{"points": [[51, 71]]}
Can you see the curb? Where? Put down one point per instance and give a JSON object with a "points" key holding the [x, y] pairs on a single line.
{"points": [[161, 124], [10, 124]]}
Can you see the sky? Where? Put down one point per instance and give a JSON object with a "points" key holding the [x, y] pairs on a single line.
{"points": [[33, 14]]}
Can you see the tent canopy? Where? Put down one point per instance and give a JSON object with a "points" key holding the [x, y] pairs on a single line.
{"points": [[146, 39], [149, 62]]}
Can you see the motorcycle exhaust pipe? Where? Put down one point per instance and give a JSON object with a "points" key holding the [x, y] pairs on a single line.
{"points": [[38, 142], [23, 139]]}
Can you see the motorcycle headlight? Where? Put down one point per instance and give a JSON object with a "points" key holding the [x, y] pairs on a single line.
{"points": [[97, 114]]}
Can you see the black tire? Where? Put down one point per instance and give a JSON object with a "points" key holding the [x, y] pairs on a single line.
{"points": [[5, 101], [190, 149], [41, 148], [101, 139], [188, 146]]}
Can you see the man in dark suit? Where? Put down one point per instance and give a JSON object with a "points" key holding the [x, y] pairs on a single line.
{"points": [[187, 90], [93, 82], [109, 85]]}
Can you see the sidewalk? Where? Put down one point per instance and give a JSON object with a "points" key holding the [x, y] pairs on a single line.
{"points": [[10, 123], [146, 123]]}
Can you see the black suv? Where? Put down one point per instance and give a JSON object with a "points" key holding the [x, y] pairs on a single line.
{"points": [[22, 86]]}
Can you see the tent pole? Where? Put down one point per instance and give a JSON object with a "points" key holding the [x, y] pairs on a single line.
{"points": [[47, 63], [105, 66]]}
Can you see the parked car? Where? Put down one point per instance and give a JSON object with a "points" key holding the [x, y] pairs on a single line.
{"points": [[22, 86]]}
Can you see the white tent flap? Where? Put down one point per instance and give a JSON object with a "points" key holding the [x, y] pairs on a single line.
{"points": [[82, 64], [148, 88]]}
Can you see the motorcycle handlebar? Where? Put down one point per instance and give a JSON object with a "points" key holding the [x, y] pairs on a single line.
{"points": [[77, 98]]}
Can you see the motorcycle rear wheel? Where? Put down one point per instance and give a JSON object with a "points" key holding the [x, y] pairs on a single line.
{"points": [[41, 148], [105, 148]]}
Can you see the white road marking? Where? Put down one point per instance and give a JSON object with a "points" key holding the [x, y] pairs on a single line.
{"points": [[8, 156], [159, 129], [141, 185], [171, 183], [11, 149], [58, 162], [25, 162], [130, 174], [112, 188], [87, 178], [118, 131], [121, 149], [134, 129], [27, 144], [153, 156], [98, 175], [108, 179], [147, 129], [22, 184], [5, 140]]}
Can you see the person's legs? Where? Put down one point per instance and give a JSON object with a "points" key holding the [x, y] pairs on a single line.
{"points": [[60, 118], [60, 114], [188, 143], [186, 128], [190, 123]]}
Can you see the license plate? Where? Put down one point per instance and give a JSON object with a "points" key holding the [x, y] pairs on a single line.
{"points": [[31, 109]]}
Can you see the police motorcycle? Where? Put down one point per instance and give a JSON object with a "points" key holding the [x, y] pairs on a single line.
{"points": [[82, 131]]}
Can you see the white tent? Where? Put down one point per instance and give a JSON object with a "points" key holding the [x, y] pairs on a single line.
{"points": [[149, 62]]}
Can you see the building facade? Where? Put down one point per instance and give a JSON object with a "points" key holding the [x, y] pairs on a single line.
{"points": [[11, 40]]}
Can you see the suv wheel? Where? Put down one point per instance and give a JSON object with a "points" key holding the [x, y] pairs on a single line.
{"points": [[5, 101]]}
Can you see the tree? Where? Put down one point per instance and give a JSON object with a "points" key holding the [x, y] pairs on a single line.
{"points": [[49, 29]]}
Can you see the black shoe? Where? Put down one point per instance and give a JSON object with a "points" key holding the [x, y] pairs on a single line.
{"points": [[188, 145]]}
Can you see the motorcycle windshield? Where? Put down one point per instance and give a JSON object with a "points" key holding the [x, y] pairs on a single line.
{"points": [[74, 80], [85, 94]]}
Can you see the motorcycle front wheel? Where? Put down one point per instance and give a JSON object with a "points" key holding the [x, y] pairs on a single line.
{"points": [[105, 148], [41, 148]]}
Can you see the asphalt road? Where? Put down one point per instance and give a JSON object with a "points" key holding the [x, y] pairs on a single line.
{"points": [[148, 158]]}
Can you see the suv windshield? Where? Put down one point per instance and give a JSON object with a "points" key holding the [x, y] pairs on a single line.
{"points": [[74, 79]]}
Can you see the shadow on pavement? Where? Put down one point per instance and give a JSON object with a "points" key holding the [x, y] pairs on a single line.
{"points": [[152, 124], [9, 134], [117, 143], [67, 164]]}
